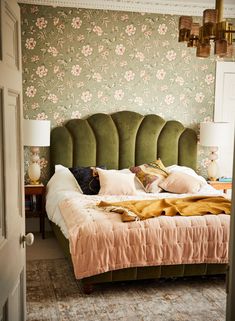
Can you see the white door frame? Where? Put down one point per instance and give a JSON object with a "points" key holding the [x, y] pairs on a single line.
{"points": [[222, 68]]}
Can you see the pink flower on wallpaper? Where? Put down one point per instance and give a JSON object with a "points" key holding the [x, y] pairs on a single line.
{"points": [[41, 71], [119, 94], [123, 63], [30, 43], [35, 106], [162, 29], [169, 99], [97, 76], [43, 162], [179, 80], [60, 75], [53, 51], [53, 98], [76, 23], [209, 79], [76, 70], [205, 162], [139, 55], [160, 74], [41, 116], [100, 94], [30, 91], [130, 30], [56, 115], [41, 23], [199, 97], [98, 30], [34, 58], [171, 55], [86, 96], [129, 75], [76, 114], [80, 37], [87, 50], [120, 49], [138, 101]]}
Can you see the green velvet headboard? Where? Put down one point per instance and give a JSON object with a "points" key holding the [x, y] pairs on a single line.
{"points": [[121, 140]]}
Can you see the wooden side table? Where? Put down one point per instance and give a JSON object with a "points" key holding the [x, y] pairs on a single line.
{"points": [[221, 185], [38, 190]]}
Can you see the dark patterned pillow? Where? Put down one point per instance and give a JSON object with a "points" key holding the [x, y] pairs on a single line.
{"points": [[87, 178]]}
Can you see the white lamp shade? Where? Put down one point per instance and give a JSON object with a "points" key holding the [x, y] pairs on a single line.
{"points": [[214, 133], [36, 132]]}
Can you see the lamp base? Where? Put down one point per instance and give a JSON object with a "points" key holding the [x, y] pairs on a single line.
{"points": [[212, 171], [34, 170]]}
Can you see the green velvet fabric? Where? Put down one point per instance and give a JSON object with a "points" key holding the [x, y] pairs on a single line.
{"points": [[121, 140]]}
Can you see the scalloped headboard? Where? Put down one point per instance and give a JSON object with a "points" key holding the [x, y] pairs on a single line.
{"points": [[121, 140]]}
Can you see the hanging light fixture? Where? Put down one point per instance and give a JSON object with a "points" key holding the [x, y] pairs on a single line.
{"points": [[214, 29]]}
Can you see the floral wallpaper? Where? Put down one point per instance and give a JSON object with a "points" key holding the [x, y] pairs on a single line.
{"points": [[77, 62]]}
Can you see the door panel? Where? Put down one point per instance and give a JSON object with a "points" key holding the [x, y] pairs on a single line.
{"points": [[2, 195], [12, 221], [225, 111]]}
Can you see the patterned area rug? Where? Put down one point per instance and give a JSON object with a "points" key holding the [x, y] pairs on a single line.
{"points": [[54, 295]]}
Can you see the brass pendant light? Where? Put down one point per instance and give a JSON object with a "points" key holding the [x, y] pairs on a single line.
{"points": [[214, 29]]}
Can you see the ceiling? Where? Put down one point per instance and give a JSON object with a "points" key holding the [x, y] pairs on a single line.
{"points": [[177, 7]]}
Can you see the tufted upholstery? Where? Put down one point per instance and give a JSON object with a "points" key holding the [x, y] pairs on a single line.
{"points": [[121, 140]]}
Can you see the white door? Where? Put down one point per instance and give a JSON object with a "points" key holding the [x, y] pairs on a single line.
{"points": [[225, 111], [12, 221]]}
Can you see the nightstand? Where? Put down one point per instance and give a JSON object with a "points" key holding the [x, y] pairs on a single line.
{"points": [[221, 185], [39, 192]]}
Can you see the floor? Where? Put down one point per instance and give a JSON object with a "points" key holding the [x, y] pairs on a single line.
{"points": [[43, 249]]}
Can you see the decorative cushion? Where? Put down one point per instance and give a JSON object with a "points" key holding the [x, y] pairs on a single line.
{"points": [[180, 183], [150, 175], [87, 178], [62, 180], [113, 182]]}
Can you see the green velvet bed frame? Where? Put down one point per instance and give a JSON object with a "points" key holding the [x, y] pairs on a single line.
{"points": [[121, 140]]}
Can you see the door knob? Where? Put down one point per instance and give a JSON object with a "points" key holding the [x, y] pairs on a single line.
{"points": [[28, 239]]}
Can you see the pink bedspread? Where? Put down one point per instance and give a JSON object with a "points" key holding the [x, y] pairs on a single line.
{"points": [[101, 242]]}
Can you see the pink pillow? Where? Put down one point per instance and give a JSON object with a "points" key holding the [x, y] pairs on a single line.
{"points": [[181, 183], [114, 183]]}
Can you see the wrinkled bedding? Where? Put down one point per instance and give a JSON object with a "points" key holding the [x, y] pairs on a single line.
{"points": [[100, 241]]}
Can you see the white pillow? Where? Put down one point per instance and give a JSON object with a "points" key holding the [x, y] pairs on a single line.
{"points": [[139, 187], [62, 180], [186, 170], [112, 182]]}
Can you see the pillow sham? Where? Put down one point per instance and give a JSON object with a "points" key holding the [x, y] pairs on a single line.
{"points": [[87, 178], [113, 182], [150, 175], [62, 180], [181, 183], [186, 170]]}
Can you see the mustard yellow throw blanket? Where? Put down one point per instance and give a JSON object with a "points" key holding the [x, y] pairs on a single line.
{"points": [[187, 206]]}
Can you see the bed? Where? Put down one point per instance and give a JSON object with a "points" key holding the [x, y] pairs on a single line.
{"points": [[119, 141]]}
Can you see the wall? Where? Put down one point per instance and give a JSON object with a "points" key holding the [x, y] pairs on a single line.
{"points": [[78, 62]]}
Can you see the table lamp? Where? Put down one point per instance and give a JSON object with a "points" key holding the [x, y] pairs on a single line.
{"points": [[36, 133], [213, 134]]}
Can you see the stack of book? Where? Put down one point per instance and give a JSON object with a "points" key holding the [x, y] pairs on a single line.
{"points": [[225, 179]]}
